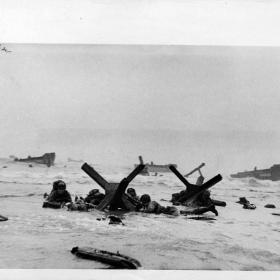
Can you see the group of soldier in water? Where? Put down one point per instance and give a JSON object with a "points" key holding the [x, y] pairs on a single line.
{"points": [[60, 197]]}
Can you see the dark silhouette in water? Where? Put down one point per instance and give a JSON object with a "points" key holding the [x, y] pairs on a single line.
{"points": [[246, 203], [94, 197], [196, 196], [116, 260], [114, 220], [4, 49], [115, 197], [153, 207], [132, 193], [203, 199], [269, 206], [58, 197], [3, 219]]}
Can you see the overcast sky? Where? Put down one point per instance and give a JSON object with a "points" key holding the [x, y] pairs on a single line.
{"points": [[214, 22], [140, 87]]}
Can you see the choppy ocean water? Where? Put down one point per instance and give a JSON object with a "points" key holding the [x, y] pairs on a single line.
{"points": [[35, 237]]}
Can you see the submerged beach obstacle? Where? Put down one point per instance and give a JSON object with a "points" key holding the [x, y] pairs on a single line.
{"points": [[192, 191], [195, 169], [3, 218], [115, 197]]}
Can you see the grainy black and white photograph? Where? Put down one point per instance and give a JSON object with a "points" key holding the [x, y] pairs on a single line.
{"points": [[140, 156]]}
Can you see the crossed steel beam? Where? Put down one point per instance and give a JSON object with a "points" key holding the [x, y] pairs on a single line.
{"points": [[115, 196], [192, 191]]}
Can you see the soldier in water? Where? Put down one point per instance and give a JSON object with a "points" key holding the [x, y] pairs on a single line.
{"points": [[94, 197], [149, 206], [91, 201], [201, 204], [132, 193], [59, 196]]}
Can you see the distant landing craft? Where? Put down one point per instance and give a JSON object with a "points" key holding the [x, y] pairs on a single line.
{"points": [[273, 173], [155, 168], [47, 159]]}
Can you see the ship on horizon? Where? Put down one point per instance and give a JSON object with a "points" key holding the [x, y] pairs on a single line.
{"points": [[47, 159], [154, 168], [272, 173]]}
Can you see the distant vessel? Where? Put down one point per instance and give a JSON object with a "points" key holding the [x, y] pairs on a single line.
{"points": [[74, 160], [47, 159], [273, 173], [156, 168]]}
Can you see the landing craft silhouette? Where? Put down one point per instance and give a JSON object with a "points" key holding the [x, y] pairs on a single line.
{"points": [[154, 168], [115, 196]]}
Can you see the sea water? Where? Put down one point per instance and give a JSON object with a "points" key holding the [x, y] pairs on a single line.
{"points": [[36, 237]]}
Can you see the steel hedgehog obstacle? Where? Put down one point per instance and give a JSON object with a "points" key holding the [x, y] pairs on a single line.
{"points": [[115, 196], [194, 190]]}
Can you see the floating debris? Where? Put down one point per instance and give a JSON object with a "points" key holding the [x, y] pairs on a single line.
{"points": [[202, 218], [101, 219], [269, 206], [276, 214], [114, 220], [54, 205], [116, 260], [246, 203]]}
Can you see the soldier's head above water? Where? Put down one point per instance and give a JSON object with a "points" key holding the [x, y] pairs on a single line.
{"points": [[145, 199], [131, 192], [93, 192], [59, 186]]}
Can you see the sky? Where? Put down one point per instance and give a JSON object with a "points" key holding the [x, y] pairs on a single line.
{"points": [[140, 87], [198, 22]]}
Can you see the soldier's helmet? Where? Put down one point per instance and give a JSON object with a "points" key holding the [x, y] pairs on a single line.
{"points": [[93, 192], [131, 191], [59, 185], [145, 199]]}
